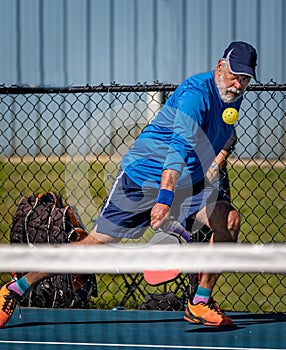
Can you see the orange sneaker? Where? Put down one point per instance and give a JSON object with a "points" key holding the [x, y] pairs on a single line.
{"points": [[8, 302], [207, 314]]}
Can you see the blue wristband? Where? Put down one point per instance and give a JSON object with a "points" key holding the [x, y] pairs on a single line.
{"points": [[165, 197]]}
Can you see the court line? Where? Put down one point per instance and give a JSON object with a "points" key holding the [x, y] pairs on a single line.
{"points": [[134, 345]]}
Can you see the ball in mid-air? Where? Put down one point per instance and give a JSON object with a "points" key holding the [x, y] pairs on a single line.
{"points": [[230, 116]]}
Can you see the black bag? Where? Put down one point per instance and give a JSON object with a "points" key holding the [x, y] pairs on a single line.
{"points": [[43, 219], [163, 302]]}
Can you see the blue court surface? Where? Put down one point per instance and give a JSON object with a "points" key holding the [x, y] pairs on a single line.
{"points": [[48, 329]]}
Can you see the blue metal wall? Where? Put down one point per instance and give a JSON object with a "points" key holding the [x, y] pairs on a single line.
{"points": [[64, 42]]}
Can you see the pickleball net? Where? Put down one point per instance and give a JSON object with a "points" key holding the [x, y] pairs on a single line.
{"points": [[128, 258], [122, 267], [252, 276]]}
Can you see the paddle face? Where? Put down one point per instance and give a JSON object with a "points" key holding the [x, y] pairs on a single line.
{"points": [[154, 278]]}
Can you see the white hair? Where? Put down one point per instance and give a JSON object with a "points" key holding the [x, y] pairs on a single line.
{"points": [[225, 64]]}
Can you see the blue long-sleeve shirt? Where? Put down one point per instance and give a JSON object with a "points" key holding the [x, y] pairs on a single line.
{"points": [[185, 135]]}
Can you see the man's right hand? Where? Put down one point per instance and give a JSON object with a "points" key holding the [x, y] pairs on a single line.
{"points": [[160, 213]]}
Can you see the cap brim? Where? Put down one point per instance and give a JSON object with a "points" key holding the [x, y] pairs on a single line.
{"points": [[238, 68]]}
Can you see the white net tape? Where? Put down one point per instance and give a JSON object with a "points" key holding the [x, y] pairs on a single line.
{"points": [[125, 258]]}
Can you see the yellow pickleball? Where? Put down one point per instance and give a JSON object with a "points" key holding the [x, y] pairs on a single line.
{"points": [[230, 116]]}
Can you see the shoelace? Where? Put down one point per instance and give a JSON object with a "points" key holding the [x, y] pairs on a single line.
{"points": [[10, 304], [213, 306]]}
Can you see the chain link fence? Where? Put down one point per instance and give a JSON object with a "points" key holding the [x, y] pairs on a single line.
{"points": [[71, 140]]}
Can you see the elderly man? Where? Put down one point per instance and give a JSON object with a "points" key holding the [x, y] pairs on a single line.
{"points": [[164, 174]]}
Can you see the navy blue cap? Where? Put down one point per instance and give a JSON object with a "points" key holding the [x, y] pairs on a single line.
{"points": [[242, 58]]}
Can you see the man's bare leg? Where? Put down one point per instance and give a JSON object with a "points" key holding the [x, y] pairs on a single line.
{"points": [[93, 238], [12, 292], [225, 222]]}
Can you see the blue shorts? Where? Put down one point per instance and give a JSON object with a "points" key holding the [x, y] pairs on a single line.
{"points": [[126, 211]]}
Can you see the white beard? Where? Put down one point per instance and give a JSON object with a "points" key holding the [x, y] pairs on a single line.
{"points": [[223, 90]]}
